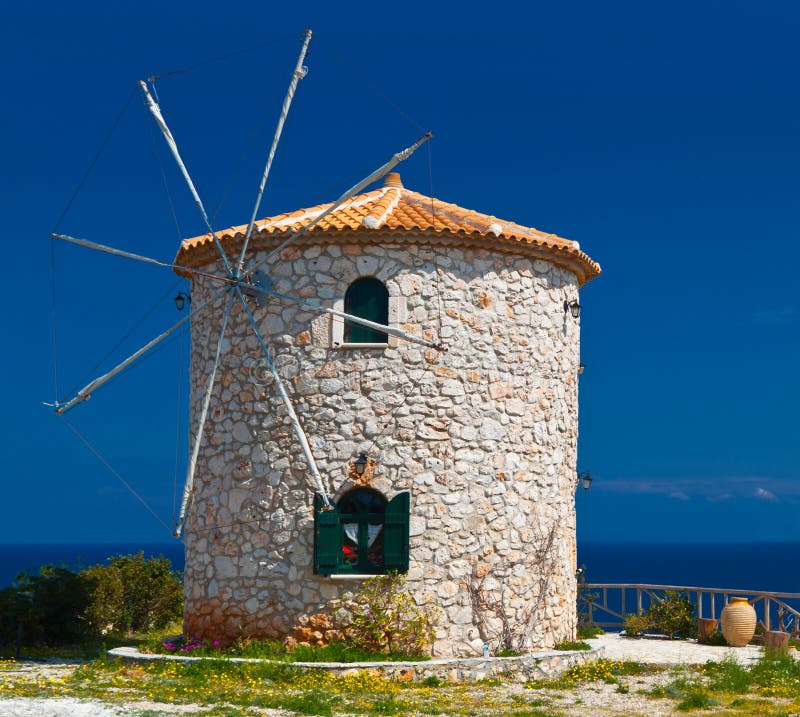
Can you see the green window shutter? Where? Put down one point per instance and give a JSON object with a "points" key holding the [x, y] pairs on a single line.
{"points": [[368, 298], [395, 539], [327, 538]]}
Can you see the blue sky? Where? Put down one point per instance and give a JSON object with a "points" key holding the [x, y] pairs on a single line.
{"points": [[663, 138]]}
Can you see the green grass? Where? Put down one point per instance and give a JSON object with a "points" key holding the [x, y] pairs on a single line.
{"points": [[589, 632], [313, 702], [242, 689], [727, 676], [573, 645], [767, 688], [696, 701], [274, 650]]}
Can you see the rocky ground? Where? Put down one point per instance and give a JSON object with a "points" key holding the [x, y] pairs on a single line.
{"points": [[627, 697], [586, 699]]}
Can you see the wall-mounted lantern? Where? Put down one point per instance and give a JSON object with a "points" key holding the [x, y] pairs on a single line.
{"points": [[585, 480], [360, 464], [180, 300], [573, 307]]}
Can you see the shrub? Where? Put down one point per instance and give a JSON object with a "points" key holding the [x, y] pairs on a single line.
{"points": [[134, 594], [715, 638], [696, 701], [573, 645], [673, 616], [14, 610], [386, 619], [49, 605], [57, 606], [727, 675], [589, 631], [636, 625]]}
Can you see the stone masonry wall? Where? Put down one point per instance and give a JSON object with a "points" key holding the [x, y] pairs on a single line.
{"points": [[483, 435]]}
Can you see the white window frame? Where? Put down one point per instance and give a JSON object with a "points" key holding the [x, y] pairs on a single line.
{"points": [[397, 317]]}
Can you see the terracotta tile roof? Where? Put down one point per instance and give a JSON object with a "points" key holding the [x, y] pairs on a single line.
{"points": [[403, 216]]}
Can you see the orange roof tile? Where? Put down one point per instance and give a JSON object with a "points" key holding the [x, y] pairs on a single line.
{"points": [[396, 213]]}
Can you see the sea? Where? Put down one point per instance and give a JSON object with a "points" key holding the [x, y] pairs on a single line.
{"points": [[744, 566]]}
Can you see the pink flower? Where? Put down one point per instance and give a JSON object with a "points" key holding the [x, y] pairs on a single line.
{"points": [[215, 643]]}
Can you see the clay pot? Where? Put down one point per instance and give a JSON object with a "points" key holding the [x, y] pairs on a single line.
{"points": [[738, 622], [706, 628]]}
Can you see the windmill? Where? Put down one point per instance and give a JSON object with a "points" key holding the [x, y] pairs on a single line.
{"points": [[475, 483], [242, 282]]}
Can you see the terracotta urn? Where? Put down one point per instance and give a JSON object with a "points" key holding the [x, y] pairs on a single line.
{"points": [[706, 628], [738, 622]]}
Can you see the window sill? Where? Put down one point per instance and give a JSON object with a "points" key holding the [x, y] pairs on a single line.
{"points": [[353, 576], [361, 346]]}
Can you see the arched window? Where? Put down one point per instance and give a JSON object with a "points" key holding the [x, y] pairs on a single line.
{"points": [[366, 298], [362, 512], [362, 534]]}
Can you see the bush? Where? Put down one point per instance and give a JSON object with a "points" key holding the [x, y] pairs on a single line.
{"points": [[715, 639], [636, 625], [386, 619], [573, 645], [673, 616], [589, 631], [50, 606], [57, 606], [14, 610], [134, 594]]}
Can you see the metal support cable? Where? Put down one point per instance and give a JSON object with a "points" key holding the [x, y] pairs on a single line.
{"points": [[53, 317], [221, 58], [64, 212], [95, 159], [116, 474], [297, 75], [406, 396]]}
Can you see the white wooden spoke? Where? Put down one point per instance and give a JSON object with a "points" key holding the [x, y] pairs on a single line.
{"points": [[155, 110], [137, 257], [391, 330], [85, 393], [300, 434], [297, 75], [198, 438], [363, 184]]}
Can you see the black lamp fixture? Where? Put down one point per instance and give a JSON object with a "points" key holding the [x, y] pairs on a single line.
{"points": [[573, 307], [180, 300], [585, 480], [360, 464]]}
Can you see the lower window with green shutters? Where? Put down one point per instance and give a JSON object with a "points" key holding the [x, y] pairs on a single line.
{"points": [[362, 534]]}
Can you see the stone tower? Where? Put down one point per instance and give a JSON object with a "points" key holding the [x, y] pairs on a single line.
{"points": [[468, 472]]}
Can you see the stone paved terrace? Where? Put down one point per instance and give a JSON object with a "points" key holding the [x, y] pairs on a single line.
{"points": [[659, 650]]}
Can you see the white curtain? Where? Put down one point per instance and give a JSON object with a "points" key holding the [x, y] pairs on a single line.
{"points": [[373, 531]]}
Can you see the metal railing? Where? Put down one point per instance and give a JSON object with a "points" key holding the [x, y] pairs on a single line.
{"points": [[607, 604]]}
